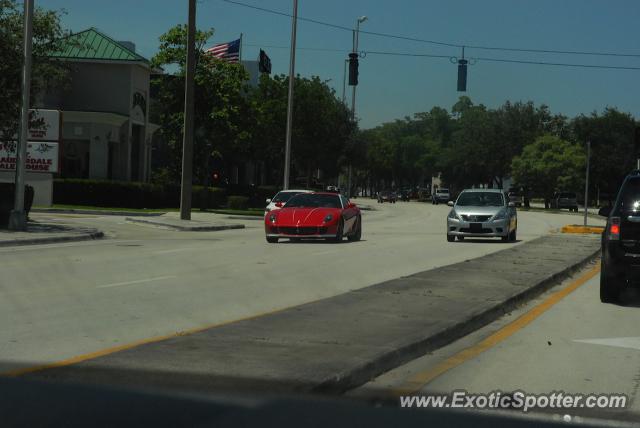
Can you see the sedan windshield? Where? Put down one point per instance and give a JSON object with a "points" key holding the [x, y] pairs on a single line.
{"points": [[480, 199], [306, 200]]}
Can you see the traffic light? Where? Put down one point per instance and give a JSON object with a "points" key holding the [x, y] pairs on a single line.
{"points": [[353, 69], [462, 75]]}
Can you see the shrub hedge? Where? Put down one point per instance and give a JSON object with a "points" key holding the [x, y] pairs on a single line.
{"points": [[236, 202]]}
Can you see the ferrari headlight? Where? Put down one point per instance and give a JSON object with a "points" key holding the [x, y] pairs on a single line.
{"points": [[502, 214], [453, 215], [328, 218], [272, 218]]}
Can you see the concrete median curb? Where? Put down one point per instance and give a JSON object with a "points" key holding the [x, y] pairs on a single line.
{"points": [[574, 228], [52, 239], [176, 224], [97, 212]]}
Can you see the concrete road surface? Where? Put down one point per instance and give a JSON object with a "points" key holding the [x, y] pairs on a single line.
{"points": [[61, 301], [574, 344]]}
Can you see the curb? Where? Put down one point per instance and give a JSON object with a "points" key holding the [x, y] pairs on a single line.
{"points": [[344, 381], [572, 228], [245, 217], [53, 239], [200, 228], [96, 212]]}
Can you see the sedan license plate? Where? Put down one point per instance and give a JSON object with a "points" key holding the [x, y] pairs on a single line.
{"points": [[475, 227]]}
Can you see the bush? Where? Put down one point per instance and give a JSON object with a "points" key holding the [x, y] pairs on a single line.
{"points": [[7, 200], [123, 194], [238, 202]]}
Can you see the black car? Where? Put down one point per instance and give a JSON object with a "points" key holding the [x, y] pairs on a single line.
{"points": [[621, 240]]}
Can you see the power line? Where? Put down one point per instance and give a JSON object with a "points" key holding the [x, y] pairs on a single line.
{"points": [[434, 42]]}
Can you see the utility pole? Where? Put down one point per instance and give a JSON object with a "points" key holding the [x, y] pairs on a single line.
{"points": [[344, 81], [187, 136], [356, 36], [18, 218], [586, 186], [292, 78]]}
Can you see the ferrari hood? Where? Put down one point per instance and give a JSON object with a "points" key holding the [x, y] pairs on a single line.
{"points": [[305, 216]]}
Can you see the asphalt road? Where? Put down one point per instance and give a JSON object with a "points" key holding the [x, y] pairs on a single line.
{"points": [[61, 301], [578, 345]]}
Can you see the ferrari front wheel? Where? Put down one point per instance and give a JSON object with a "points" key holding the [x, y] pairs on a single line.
{"points": [[339, 232], [272, 240], [358, 233]]}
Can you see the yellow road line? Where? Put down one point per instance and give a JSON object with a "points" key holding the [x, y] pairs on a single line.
{"points": [[572, 228], [419, 380], [126, 346]]}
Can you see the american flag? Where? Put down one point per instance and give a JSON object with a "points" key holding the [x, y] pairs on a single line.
{"points": [[226, 51]]}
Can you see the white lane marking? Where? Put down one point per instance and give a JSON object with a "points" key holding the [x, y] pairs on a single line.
{"points": [[620, 342], [139, 281]]}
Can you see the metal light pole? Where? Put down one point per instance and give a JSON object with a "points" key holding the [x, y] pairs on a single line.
{"points": [[18, 218], [586, 186], [187, 136], [292, 78]]}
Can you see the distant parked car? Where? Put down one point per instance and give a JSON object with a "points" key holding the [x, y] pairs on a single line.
{"points": [[387, 196], [281, 198], [565, 200], [441, 196], [482, 213], [404, 195], [516, 197]]}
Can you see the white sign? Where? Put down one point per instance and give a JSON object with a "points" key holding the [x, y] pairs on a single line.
{"points": [[41, 157], [45, 125]]}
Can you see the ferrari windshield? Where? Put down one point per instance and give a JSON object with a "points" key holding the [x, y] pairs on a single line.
{"points": [[480, 199], [310, 200]]}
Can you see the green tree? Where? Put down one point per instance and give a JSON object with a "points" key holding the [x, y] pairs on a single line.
{"points": [[548, 165], [223, 119], [48, 34]]}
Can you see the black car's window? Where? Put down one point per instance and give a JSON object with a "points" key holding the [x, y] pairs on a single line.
{"points": [[480, 199], [630, 195], [284, 196], [307, 200]]}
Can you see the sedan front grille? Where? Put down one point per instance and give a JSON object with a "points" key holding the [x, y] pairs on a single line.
{"points": [[475, 218], [468, 230]]}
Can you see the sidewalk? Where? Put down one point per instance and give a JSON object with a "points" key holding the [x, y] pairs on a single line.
{"points": [[47, 233], [338, 343], [200, 222]]}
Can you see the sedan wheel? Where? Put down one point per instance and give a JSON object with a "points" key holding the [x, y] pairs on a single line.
{"points": [[513, 235], [610, 287], [451, 238]]}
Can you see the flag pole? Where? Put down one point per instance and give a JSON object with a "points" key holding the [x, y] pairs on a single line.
{"points": [[240, 50]]}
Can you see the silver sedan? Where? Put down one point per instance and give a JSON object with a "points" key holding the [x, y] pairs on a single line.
{"points": [[482, 213]]}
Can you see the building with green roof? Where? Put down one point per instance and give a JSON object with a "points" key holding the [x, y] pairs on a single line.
{"points": [[106, 132]]}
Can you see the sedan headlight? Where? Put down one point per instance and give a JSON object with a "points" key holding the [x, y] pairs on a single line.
{"points": [[272, 218], [454, 215], [502, 214], [328, 218]]}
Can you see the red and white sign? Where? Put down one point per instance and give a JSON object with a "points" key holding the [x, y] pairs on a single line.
{"points": [[47, 125], [41, 156]]}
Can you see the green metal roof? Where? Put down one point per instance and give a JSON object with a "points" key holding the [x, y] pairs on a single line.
{"points": [[91, 44]]}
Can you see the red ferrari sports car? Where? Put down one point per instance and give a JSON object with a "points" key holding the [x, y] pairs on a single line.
{"points": [[315, 215]]}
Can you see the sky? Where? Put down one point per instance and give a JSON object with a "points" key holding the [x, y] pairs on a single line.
{"points": [[393, 87]]}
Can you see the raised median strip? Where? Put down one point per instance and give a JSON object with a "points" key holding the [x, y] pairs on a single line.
{"points": [[574, 228], [98, 212], [338, 343], [43, 233], [185, 225]]}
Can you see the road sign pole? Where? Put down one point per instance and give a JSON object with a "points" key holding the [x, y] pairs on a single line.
{"points": [[292, 78], [187, 136], [18, 217]]}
